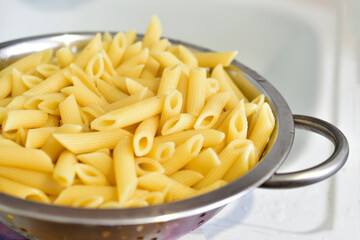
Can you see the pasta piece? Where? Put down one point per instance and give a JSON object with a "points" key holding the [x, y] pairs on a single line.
{"points": [[135, 203], [64, 56], [216, 185], [160, 45], [4, 102], [136, 97], [153, 32], [89, 175], [151, 68], [250, 109], [212, 59], [212, 110], [135, 60], [130, 36], [38, 136], [259, 101], [243, 164], [76, 192], [237, 126], [151, 83], [90, 141], [39, 180], [27, 158], [172, 107], [93, 47], [52, 147], [125, 171], [144, 135], [18, 86], [5, 85], [184, 154], [177, 123], [69, 111], [84, 96], [145, 166], [117, 48], [182, 87], [64, 172], [204, 162], [101, 161], [51, 105], [212, 87], [166, 59], [187, 56], [196, 91], [263, 129], [18, 102], [30, 81], [22, 191], [159, 182], [53, 121], [28, 62], [129, 115], [134, 87], [162, 151], [76, 75], [211, 137], [109, 69], [135, 71], [92, 201], [110, 93], [47, 69], [110, 205], [95, 66], [131, 51], [24, 118], [187, 177], [227, 157], [169, 80]]}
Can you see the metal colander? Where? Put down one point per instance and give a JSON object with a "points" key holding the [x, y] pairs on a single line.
{"points": [[171, 220]]}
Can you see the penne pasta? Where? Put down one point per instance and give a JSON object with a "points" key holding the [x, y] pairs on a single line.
{"points": [[89, 175], [177, 123], [144, 135], [187, 177], [65, 56], [212, 59], [24, 118], [162, 151], [196, 91], [64, 171], [153, 32], [204, 162], [146, 165], [69, 111]]}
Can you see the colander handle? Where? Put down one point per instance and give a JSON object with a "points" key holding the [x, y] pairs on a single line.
{"points": [[321, 171]]}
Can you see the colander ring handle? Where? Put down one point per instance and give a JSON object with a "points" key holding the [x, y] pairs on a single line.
{"points": [[321, 171]]}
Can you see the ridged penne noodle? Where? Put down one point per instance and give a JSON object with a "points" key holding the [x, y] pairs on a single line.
{"points": [[210, 114], [24, 118], [65, 56], [182, 87], [52, 121], [111, 93], [109, 69], [22, 191], [172, 106], [184, 154], [187, 177], [5, 85], [18, 102], [101, 161], [91, 201], [161, 45], [75, 192], [250, 109], [136, 97], [18, 86], [146, 165], [144, 135], [93, 47], [212, 87], [131, 51], [111, 205], [52, 147], [196, 91], [30, 81], [259, 101], [263, 129], [151, 83], [39, 180], [166, 59], [187, 56], [89, 175], [237, 125], [135, 71], [134, 87], [95, 66], [28, 62], [130, 36], [158, 182], [178, 123], [64, 172], [52, 84], [27, 158], [129, 115], [227, 157], [76, 75], [217, 184], [153, 32], [211, 137], [117, 48], [151, 69], [84, 96], [69, 111], [84, 142], [133, 61], [204, 162], [4, 102], [169, 80], [162, 151], [125, 170], [47, 69], [51, 105], [212, 59], [37, 137], [243, 164]]}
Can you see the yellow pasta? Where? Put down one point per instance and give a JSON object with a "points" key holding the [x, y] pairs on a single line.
{"points": [[146, 165], [212, 59], [38, 136], [204, 162], [47, 69], [139, 58], [187, 177], [89, 175], [196, 91], [125, 172], [177, 123], [24, 118], [93, 47], [172, 106], [18, 86], [144, 135], [65, 56], [162, 151], [64, 172], [69, 111], [117, 48], [153, 32], [169, 80]]}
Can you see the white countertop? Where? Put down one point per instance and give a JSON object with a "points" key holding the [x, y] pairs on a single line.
{"points": [[303, 47]]}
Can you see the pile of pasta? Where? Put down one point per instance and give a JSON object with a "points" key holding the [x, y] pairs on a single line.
{"points": [[126, 123]]}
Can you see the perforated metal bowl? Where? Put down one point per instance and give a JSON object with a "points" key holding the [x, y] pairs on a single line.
{"points": [[170, 220]]}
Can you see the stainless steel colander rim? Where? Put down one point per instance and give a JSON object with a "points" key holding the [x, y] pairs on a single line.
{"points": [[169, 211]]}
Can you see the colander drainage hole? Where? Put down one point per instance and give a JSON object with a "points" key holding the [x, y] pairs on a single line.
{"points": [[201, 222], [124, 236], [203, 215], [106, 234], [140, 238], [11, 218], [23, 229]]}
